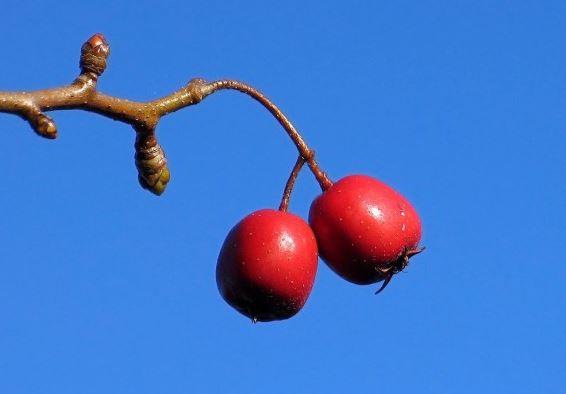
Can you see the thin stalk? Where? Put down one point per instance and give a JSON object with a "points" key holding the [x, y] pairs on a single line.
{"points": [[284, 206], [302, 147]]}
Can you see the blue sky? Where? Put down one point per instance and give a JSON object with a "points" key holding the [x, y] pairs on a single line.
{"points": [[460, 105]]}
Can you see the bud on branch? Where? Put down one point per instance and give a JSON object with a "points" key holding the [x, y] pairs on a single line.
{"points": [[153, 173], [94, 53]]}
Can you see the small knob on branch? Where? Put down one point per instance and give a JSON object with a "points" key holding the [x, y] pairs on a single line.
{"points": [[94, 54], [43, 125]]}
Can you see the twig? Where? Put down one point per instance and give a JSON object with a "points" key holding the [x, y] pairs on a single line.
{"points": [[82, 94]]}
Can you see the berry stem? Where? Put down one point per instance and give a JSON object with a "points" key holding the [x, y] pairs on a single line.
{"points": [[284, 206], [304, 151]]}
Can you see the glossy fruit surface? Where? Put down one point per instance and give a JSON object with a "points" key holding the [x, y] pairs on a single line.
{"points": [[267, 265], [364, 229]]}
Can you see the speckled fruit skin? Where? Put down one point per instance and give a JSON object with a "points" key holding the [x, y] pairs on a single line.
{"points": [[361, 226], [267, 265]]}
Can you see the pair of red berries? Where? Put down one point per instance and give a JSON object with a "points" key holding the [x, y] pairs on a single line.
{"points": [[364, 230]]}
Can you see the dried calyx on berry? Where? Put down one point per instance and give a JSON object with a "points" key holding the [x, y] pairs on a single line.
{"points": [[398, 266], [94, 54], [153, 173]]}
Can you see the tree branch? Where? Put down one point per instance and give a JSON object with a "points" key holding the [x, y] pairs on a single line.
{"points": [[150, 159]]}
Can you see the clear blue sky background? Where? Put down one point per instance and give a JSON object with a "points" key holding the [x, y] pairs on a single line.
{"points": [[460, 105]]}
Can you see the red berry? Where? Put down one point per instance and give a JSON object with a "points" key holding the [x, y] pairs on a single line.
{"points": [[267, 265], [365, 230]]}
